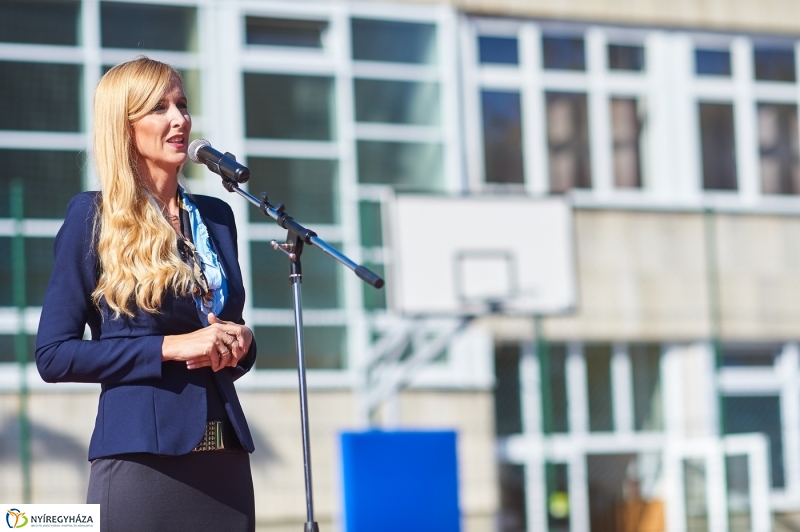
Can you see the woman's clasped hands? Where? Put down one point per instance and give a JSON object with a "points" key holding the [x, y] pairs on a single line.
{"points": [[221, 344]]}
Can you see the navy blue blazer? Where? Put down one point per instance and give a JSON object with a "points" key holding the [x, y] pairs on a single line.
{"points": [[146, 405]]}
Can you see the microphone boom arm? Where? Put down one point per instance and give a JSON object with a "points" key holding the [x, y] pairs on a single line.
{"points": [[306, 235]]}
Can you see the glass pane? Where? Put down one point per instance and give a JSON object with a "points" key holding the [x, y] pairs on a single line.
{"points": [[750, 354], [758, 414], [558, 509], [308, 187], [552, 361], [49, 180], [40, 96], [498, 50], [568, 141], [371, 223], [712, 62], [325, 347], [625, 57], [502, 136], [8, 351], [774, 64], [512, 498], [148, 27], [271, 289], [40, 21], [778, 143], [393, 41], [625, 492], [375, 299], [285, 32], [738, 481], [694, 487], [507, 407], [38, 267], [648, 411], [6, 295], [598, 377], [627, 123], [289, 107], [719, 154], [405, 165], [564, 53], [397, 102]]}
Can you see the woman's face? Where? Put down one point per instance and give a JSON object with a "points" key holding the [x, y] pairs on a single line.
{"points": [[162, 135]]}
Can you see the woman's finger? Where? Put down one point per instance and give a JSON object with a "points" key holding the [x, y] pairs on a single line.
{"points": [[199, 362]]}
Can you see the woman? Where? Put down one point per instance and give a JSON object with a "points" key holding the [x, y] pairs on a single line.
{"points": [[154, 273]]}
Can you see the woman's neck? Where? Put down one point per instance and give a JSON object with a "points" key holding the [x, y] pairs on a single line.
{"points": [[164, 188]]}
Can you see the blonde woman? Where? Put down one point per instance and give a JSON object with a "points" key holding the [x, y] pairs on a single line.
{"points": [[154, 273]]}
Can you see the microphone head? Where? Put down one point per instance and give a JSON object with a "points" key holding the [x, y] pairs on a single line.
{"points": [[195, 147]]}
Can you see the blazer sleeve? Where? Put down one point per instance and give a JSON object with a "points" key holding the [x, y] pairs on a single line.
{"points": [[62, 355]]}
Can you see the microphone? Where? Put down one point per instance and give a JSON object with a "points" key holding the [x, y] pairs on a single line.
{"points": [[224, 164]]}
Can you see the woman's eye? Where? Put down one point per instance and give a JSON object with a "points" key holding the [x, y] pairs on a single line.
{"points": [[183, 105], [159, 107]]}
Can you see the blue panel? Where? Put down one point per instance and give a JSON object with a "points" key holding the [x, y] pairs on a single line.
{"points": [[400, 481]]}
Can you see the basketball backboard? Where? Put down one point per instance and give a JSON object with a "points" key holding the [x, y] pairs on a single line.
{"points": [[467, 255]]}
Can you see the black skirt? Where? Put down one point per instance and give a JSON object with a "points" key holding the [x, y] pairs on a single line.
{"points": [[210, 490]]}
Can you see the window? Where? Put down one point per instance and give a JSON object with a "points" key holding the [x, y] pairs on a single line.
{"points": [[393, 41], [371, 224], [49, 180], [40, 21], [325, 346], [712, 62], [774, 64], [758, 414], [289, 107], [512, 515], [502, 136], [148, 27], [558, 510], [38, 265], [270, 273], [406, 165], [737, 479], [568, 141], [778, 145], [374, 299], [397, 102], [627, 123], [717, 143], [285, 32], [648, 412], [308, 188], [40, 96], [598, 376], [8, 351], [625, 57], [553, 360], [621, 492], [750, 354], [507, 407], [694, 489], [563, 53], [498, 50]]}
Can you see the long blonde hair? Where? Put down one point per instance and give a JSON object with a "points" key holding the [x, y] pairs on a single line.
{"points": [[136, 245]]}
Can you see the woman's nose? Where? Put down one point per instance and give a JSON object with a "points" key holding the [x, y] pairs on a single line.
{"points": [[178, 116]]}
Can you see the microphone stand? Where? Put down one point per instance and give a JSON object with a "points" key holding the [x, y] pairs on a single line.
{"points": [[296, 238]]}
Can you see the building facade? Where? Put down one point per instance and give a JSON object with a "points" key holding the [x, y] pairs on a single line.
{"points": [[668, 400]]}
